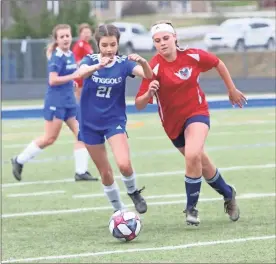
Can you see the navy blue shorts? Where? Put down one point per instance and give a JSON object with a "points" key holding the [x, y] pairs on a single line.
{"points": [[95, 137], [179, 142], [51, 112]]}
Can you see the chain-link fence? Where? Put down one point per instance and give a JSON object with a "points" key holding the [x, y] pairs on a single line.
{"points": [[25, 60]]}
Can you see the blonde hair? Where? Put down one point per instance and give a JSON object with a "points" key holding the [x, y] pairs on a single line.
{"points": [[52, 45], [83, 26]]}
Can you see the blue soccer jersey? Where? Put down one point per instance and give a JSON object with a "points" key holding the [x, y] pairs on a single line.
{"points": [[102, 101], [61, 95]]}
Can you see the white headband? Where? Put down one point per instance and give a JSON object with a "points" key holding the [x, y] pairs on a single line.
{"points": [[162, 28]]}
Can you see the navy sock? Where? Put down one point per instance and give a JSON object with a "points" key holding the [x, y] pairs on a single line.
{"points": [[192, 190], [218, 184]]}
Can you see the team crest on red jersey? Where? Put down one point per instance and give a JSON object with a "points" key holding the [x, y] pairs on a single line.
{"points": [[184, 73]]}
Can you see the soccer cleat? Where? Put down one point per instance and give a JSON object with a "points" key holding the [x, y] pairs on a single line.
{"points": [[85, 177], [192, 216], [16, 169], [231, 206], [139, 201]]}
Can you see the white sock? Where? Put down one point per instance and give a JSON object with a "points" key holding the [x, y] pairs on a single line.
{"points": [[130, 183], [28, 153], [81, 160], [113, 195]]}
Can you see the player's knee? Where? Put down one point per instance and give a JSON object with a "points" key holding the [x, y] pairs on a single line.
{"points": [[193, 158], [125, 168], [50, 140], [106, 175]]}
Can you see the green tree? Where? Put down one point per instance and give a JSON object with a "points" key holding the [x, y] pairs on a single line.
{"points": [[22, 26], [41, 25]]}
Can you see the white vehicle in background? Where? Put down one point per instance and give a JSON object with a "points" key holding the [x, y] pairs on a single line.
{"points": [[134, 37], [242, 33]]}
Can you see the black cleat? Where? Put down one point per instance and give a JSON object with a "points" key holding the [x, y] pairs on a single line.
{"points": [[16, 169], [139, 201], [85, 177], [192, 216]]}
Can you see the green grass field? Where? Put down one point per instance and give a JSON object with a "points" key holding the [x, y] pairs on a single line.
{"points": [[49, 218]]}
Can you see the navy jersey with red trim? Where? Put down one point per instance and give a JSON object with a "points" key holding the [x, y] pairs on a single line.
{"points": [[103, 96], [180, 96]]}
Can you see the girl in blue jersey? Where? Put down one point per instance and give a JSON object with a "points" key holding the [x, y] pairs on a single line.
{"points": [[59, 105], [103, 112]]}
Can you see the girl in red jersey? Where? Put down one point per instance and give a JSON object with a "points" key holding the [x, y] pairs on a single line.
{"points": [[184, 113], [80, 49]]}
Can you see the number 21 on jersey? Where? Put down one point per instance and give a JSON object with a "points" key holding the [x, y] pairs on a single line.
{"points": [[103, 91]]}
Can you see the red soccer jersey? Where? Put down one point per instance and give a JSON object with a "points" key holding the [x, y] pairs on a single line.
{"points": [[80, 49], [179, 96]]}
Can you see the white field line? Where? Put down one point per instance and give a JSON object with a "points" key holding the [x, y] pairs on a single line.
{"points": [[214, 122], [135, 250], [222, 133], [158, 152], [39, 123], [35, 194], [150, 174], [95, 195], [102, 208]]}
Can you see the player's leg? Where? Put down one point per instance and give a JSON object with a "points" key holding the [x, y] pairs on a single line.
{"points": [[52, 127], [80, 152], [195, 135], [94, 143], [214, 178], [117, 139], [191, 142]]}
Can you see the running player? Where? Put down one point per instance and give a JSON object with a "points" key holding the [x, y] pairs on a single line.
{"points": [[184, 113], [103, 112], [80, 49], [59, 105]]}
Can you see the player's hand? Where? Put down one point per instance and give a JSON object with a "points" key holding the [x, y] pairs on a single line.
{"points": [[75, 84], [153, 87], [104, 61], [137, 58], [237, 97]]}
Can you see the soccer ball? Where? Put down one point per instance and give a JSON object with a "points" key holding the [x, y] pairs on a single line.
{"points": [[125, 226]]}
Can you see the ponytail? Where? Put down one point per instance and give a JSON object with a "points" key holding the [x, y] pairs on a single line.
{"points": [[50, 48]]}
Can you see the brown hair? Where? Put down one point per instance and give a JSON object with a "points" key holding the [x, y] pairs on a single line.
{"points": [[82, 26], [168, 22], [52, 45], [107, 31]]}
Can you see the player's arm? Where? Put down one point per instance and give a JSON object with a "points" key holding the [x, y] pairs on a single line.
{"points": [[207, 61], [55, 67], [55, 79], [235, 95], [85, 69], [145, 95], [142, 70]]}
